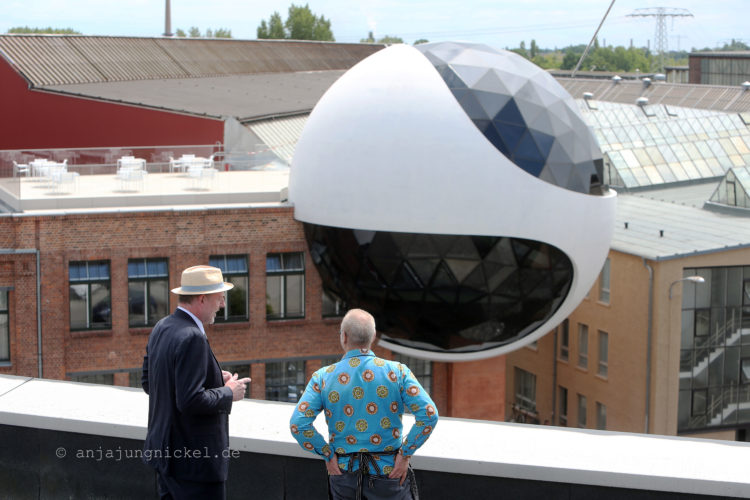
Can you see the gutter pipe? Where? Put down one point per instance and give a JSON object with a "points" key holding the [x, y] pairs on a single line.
{"points": [[649, 341]]}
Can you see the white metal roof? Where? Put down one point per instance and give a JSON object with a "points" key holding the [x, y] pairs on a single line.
{"points": [[687, 230]]}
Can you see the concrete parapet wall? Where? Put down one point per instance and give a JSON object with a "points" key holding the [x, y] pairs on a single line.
{"points": [[69, 440]]}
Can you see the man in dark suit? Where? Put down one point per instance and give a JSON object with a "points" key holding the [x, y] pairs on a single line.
{"points": [[190, 397]]}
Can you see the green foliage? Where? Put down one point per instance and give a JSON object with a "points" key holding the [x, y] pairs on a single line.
{"points": [[386, 39], [195, 32], [301, 24], [735, 45], [44, 31], [421, 40]]}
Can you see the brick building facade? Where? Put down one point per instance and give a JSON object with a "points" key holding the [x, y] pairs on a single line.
{"points": [[186, 237]]}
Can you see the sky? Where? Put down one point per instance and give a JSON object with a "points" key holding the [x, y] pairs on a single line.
{"points": [[498, 23]]}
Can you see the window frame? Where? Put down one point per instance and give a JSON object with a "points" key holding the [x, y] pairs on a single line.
{"points": [[564, 353], [605, 282], [582, 409], [5, 325], [420, 368], [222, 262], [284, 273], [562, 415], [284, 365], [583, 346], [601, 416], [603, 361], [525, 389], [88, 282], [147, 280]]}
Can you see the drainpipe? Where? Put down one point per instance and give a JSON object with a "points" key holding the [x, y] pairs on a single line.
{"points": [[554, 379], [648, 340], [14, 251]]}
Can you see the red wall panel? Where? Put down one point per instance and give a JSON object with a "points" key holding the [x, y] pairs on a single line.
{"points": [[39, 120]]}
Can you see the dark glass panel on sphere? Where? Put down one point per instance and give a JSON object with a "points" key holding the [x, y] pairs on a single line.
{"points": [[443, 292]]}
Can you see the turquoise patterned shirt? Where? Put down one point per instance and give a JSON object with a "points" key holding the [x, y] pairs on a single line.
{"points": [[364, 398]]}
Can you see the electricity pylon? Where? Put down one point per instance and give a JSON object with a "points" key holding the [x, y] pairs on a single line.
{"points": [[660, 37]]}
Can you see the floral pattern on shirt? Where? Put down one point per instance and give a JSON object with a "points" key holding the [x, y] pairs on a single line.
{"points": [[364, 398]]}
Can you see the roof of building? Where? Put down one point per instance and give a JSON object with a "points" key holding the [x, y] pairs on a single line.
{"points": [[624, 460], [662, 230], [689, 95], [244, 97], [245, 79]]}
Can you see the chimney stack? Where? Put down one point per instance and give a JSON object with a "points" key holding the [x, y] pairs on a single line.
{"points": [[167, 19]]}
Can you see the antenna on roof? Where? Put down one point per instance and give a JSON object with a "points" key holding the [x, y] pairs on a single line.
{"points": [[167, 19], [588, 47]]}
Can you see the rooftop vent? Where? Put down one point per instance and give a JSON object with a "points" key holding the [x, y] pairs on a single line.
{"points": [[616, 78], [642, 101], [646, 82], [745, 85]]}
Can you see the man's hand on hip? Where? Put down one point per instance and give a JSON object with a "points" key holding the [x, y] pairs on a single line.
{"points": [[238, 386], [400, 468], [332, 466]]}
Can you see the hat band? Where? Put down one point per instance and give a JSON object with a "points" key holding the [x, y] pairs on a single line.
{"points": [[202, 288]]}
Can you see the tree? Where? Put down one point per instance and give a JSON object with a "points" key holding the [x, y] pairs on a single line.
{"points": [[534, 50], [301, 24], [180, 33], [194, 32], [274, 29], [386, 39], [222, 33], [421, 40], [45, 31]]}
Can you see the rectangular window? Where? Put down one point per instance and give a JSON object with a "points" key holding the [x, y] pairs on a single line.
{"points": [[564, 340], [601, 416], [583, 345], [95, 378], [604, 283], [563, 407], [135, 378], [420, 368], [333, 306], [582, 411], [4, 327], [90, 298], [242, 371], [603, 354], [148, 291], [285, 380], [525, 389], [235, 271], [285, 285]]}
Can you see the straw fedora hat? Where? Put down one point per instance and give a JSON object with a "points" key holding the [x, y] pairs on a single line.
{"points": [[199, 280]]}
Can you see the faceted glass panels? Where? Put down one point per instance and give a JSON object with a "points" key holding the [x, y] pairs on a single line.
{"points": [[443, 292], [522, 111]]}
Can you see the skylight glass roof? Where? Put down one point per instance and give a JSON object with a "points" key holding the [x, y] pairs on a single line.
{"points": [[666, 144]]}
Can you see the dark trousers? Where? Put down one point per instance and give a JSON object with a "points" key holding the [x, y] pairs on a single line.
{"points": [[344, 487], [171, 488]]}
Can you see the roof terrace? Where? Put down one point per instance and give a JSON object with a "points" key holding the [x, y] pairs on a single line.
{"points": [[143, 178]]}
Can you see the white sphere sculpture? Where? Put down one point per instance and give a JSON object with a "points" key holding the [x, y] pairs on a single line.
{"points": [[454, 191]]}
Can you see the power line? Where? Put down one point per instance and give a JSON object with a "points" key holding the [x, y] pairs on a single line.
{"points": [[660, 38]]}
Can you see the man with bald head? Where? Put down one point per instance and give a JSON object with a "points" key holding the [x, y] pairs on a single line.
{"points": [[364, 397]]}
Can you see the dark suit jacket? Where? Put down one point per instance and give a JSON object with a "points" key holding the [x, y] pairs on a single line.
{"points": [[188, 405]]}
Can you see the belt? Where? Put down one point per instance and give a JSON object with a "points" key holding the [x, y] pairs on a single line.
{"points": [[367, 459]]}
